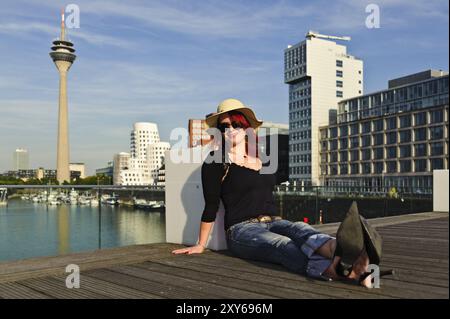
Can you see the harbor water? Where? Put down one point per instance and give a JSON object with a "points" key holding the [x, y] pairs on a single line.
{"points": [[30, 229]]}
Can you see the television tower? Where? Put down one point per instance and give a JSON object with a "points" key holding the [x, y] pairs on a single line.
{"points": [[63, 56]]}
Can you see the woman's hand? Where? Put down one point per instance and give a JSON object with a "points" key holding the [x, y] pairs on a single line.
{"points": [[197, 249]]}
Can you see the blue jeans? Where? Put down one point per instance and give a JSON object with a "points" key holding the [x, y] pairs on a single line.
{"points": [[281, 242]]}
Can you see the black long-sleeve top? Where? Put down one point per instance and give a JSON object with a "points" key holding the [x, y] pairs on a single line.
{"points": [[245, 192]]}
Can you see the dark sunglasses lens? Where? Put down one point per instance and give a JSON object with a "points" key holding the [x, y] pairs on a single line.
{"points": [[223, 127], [236, 125]]}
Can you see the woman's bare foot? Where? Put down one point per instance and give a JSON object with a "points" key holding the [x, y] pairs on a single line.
{"points": [[360, 267]]}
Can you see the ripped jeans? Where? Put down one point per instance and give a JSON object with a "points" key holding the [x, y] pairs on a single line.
{"points": [[281, 242]]}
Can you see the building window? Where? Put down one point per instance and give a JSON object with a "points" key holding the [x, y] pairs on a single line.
{"points": [[343, 169], [391, 138], [405, 121], [333, 145], [365, 155], [333, 132], [436, 133], [378, 167], [343, 130], [391, 167], [420, 134], [437, 116], [365, 140], [339, 63], [333, 157], [365, 168], [354, 129], [333, 169], [354, 169], [405, 151], [365, 127], [378, 153], [339, 73], [391, 152], [436, 163], [343, 156], [378, 125], [436, 148], [339, 84], [405, 136], [339, 94], [343, 143], [354, 156], [391, 123], [405, 166], [378, 139], [420, 118], [420, 165], [354, 142], [420, 150]]}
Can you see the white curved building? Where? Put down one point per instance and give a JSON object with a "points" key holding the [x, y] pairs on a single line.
{"points": [[142, 135], [145, 159]]}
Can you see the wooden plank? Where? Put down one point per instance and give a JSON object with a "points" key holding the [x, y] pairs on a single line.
{"points": [[262, 280], [110, 290], [173, 276], [152, 287], [57, 266], [57, 289], [13, 290], [251, 268]]}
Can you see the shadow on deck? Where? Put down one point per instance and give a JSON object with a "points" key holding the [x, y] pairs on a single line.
{"points": [[416, 246]]}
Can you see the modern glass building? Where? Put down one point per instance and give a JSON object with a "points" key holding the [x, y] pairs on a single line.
{"points": [[320, 73], [395, 137]]}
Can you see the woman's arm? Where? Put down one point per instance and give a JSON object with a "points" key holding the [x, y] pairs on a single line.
{"points": [[211, 182], [205, 229]]}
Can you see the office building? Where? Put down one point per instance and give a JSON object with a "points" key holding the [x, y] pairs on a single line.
{"points": [[391, 138], [21, 159], [319, 73]]}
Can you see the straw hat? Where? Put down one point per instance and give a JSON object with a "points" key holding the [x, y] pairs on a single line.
{"points": [[232, 105]]}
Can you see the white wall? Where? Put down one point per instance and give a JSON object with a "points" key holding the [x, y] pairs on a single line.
{"points": [[185, 204], [440, 190]]}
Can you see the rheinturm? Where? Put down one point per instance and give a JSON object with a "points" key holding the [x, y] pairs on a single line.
{"points": [[63, 57]]}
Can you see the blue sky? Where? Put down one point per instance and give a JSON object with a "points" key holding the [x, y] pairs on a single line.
{"points": [[168, 61]]}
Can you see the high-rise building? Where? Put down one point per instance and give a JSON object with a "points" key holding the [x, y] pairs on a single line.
{"points": [[142, 135], [21, 159], [391, 138], [319, 73], [63, 56]]}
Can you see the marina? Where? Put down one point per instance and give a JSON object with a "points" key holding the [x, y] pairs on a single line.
{"points": [[36, 227]]}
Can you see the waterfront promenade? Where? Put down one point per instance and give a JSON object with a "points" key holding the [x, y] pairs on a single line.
{"points": [[415, 246]]}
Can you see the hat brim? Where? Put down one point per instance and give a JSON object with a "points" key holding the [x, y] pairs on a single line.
{"points": [[211, 121]]}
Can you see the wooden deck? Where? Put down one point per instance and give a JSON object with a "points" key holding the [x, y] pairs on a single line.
{"points": [[416, 246]]}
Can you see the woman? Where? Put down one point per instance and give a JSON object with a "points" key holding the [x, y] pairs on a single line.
{"points": [[253, 230]]}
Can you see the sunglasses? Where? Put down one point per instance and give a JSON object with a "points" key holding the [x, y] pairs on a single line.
{"points": [[223, 126]]}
